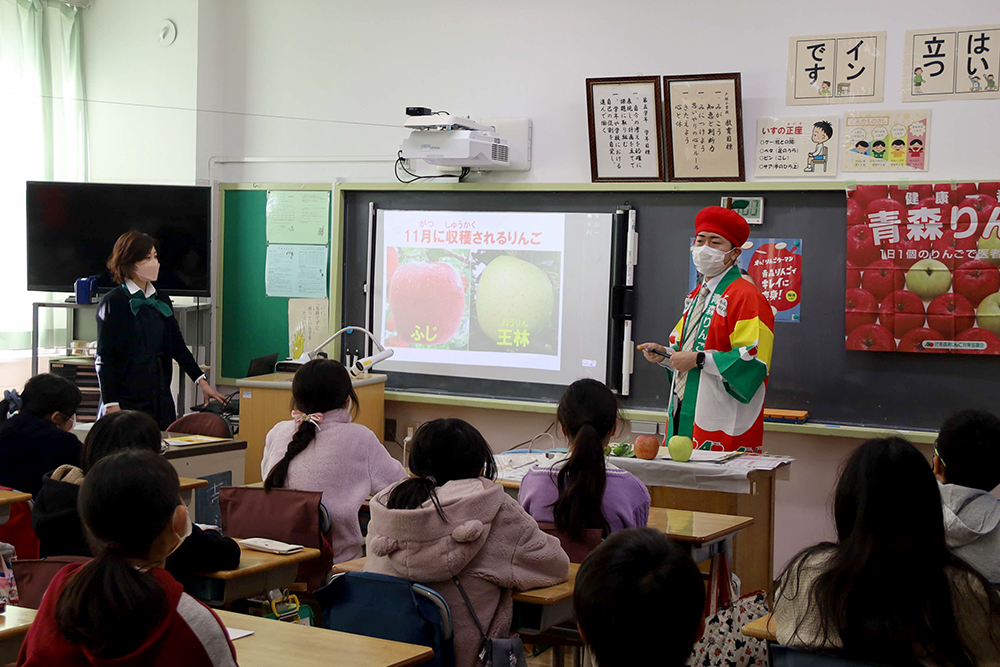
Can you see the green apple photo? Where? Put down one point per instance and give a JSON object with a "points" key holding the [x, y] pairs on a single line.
{"points": [[928, 279]]}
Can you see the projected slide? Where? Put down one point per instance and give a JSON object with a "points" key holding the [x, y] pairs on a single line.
{"points": [[484, 294]]}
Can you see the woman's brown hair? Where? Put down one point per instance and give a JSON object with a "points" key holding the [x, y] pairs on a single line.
{"points": [[130, 248]]}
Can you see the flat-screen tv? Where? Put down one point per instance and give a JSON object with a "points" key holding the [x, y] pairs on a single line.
{"points": [[72, 228]]}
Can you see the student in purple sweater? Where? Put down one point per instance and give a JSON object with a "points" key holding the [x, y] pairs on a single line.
{"points": [[319, 449], [583, 491]]}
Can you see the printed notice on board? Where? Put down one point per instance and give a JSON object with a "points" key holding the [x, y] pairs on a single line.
{"points": [[836, 69], [308, 325], [803, 147], [298, 217], [952, 64], [296, 271]]}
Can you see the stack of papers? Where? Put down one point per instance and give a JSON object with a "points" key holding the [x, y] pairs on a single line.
{"points": [[192, 440]]}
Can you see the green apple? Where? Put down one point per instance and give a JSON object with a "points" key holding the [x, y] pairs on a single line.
{"points": [[989, 244], [513, 294], [928, 279], [988, 313], [680, 448]]}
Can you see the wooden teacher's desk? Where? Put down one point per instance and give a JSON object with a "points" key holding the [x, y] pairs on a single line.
{"points": [[266, 400]]}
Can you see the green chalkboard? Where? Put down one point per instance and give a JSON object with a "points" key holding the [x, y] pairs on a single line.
{"points": [[250, 324]]}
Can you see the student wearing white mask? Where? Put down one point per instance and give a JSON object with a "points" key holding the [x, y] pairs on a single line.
{"points": [[719, 354], [138, 338]]}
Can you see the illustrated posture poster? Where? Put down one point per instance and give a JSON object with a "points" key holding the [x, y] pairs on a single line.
{"points": [[295, 216], [886, 141], [952, 64], [835, 69], [626, 142], [922, 268], [775, 266], [797, 147], [704, 127]]}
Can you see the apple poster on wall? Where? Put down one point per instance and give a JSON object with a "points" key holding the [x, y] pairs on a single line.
{"points": [[923, 268]]}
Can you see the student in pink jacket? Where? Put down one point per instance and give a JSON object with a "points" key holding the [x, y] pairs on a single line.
{"points": [[319, 449], [454, 520]]}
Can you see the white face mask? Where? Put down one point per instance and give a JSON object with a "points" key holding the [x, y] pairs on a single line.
{"points": [[148, 269], [709, 261], [188, 527]]}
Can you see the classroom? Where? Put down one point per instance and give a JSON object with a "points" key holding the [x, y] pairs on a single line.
{"points": [[288, 152]]}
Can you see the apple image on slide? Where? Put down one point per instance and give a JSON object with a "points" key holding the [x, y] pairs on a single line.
{"points": [[513, 289], [953, 251], [853, 276], [882, 278], [928, 278], [427, 297], [391, 263], [988, 314], [861, 248], [871, 338], [913, 341], [646, 447], [950, 314], [855, 213], [680, 448], [901, 312], [988, 337], [860, 308], [976, 280]]}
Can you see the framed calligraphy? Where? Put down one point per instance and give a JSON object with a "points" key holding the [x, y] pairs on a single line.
{"points": [[834, 69], [704, 122], [626, 135], [952, 64]]}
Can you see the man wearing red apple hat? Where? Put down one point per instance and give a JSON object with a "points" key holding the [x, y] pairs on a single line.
{"points": [[720, 351]]}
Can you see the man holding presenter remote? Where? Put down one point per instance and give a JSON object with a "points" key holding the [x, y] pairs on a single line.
{"points": [[719, 353]]}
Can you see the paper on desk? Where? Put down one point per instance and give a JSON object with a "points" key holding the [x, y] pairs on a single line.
{"points": [[235, 634], [698, 455], [192, 440], [513, 467], [758, 461]]}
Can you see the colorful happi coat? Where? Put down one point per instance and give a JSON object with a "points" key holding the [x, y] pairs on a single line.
{"points": [[737, 328]]}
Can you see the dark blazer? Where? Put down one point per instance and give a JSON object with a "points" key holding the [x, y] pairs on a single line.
{"points": [[30, 447], [134, 354]]}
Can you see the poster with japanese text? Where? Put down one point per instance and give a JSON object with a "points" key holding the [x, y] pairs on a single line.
{"points": [[308, 325], [952, 64], [923, 268], [704, 127], [625, 130], [484, 282], [836, 69], [797, 147], [775, 267], [886, 141]]}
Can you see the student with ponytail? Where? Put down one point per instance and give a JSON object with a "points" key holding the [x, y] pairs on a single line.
{"points": [[123, 608], [36, 439], [319, 449], [451, 523], [583, 491]]}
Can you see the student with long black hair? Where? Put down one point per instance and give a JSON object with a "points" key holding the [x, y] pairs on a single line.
{"points": [[36, 439], [320, 449], [889, 591], [453, 521], [583, 491], [122, 607]]}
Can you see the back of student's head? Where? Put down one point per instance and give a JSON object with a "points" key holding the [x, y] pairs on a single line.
{"points": [[442, 451], [127, 502], [117, 431], [319, 386], [969, 447], [43, 395], [639, 600], [587, 414]]}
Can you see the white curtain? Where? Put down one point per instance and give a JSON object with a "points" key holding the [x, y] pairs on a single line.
{"points": [[43, 136]]}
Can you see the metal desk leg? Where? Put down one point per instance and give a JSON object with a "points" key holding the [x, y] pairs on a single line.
{"points": [[34, 339]]}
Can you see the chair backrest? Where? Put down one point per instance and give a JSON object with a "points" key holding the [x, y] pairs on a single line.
{"points": [[577, 550], [376, 605], [788, 656], [287, 515], [33, 577], [202, 423]]}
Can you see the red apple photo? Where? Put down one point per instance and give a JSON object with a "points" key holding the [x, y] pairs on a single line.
{"points": [[901, 312], [988, 337], [904, 258], [886, 204], [976, 279], [855, 214], [865, 194], [921, 191], [950, 314], [983, 204], [882, 278], [913, 341], [960, 191], [945, 209], [991, 188], [853, 276], [861, 248], [427, 297], [871, 338], [861, 308], [391, 262], [951, 250]]}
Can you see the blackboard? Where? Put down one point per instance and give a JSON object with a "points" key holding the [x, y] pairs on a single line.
{"points": [[811, 370]]}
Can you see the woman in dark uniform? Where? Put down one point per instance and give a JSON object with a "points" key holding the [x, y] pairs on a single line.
{"points": [[138, 337]]}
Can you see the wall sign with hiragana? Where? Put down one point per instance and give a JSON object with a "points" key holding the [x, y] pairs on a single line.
{"points": [[626, 142], [834, 69], [952, 63], [704, 119]]}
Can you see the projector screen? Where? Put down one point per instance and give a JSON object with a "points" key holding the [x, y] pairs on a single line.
{"points": [[493, 295]]}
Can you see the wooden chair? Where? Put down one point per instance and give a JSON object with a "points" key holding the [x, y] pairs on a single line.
{"points": [[202, 423]]}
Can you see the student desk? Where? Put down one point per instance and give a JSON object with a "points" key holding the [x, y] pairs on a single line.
{"points": [[762, 628], [8, 498], [188, 485], [258, 573], [14, 624], [277, 643], [703, 533]]}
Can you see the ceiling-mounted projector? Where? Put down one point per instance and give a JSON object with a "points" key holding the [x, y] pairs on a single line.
{"points": [[451, 141]]}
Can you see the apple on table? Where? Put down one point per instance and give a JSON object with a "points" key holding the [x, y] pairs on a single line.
{"points": [[646, 447], [680, 448]]}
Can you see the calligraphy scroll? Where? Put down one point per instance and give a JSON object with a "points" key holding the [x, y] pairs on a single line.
{"points": [[704, 127]]}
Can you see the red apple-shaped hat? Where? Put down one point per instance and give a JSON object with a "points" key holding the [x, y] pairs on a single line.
{"points": [[725, 222]]}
